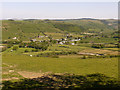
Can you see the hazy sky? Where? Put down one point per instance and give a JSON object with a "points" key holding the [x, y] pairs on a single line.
{"points": [[50, 10], [59, 0]]}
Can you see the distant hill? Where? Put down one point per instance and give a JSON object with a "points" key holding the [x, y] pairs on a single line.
{"points": [[94, 23], [26, 29]]}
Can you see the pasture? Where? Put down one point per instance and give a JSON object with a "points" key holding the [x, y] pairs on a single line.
{"points": [[14, 64]]}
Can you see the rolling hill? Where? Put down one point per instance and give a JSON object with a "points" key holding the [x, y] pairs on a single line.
{"points": [[27, 29]]}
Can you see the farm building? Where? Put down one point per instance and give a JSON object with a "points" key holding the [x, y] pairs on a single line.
{"points": [[61, 43], [33, 40], [72, 43], [15, 38], [91, 54]]}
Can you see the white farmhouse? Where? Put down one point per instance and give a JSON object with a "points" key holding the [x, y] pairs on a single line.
{"points": [[72, 43], [15, 38], [64, 41], [61, 43], [40, 36], [33, 40], [31, 55]]}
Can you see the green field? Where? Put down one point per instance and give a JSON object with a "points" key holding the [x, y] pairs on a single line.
{"points": [[107, 66]]}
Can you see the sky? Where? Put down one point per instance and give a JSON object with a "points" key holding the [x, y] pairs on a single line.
{"points": [[59, 10], [59, 1]]}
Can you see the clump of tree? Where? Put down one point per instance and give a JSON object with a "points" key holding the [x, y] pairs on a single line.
{"points": [[105, 45], [11, 41], [51, 54], [26, 50], [53, 41], [9, 45], [55, 56], [64, 46], [83, 41], [35, 50], [37, 45], [97, 45]]}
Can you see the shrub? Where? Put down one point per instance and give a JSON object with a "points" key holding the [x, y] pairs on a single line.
{"points": [[9, 45], [81, 42], [12, 41], [15, 47], [56, 53], [97, 46], [22, 45], [56, 50], [35, 50], [3, 49], [84, 57], [26, 50], [55, 56]]}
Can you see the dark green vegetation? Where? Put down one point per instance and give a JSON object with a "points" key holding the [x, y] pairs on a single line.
{"points": [[42, 46], [69, 81]]}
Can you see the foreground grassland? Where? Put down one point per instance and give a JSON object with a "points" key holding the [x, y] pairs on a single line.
{"points": [[18, 63]]}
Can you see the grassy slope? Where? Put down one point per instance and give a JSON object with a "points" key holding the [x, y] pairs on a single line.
{"points": [[26, 29], [101, 40], [107, 66], [67, 27], [94, 24]]}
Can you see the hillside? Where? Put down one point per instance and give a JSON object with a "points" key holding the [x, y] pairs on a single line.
{"points": [[28, 29]]}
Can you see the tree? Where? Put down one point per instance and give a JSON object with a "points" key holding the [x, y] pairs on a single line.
{"points": [[26, 50], [75, 42], [9, 37]]}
